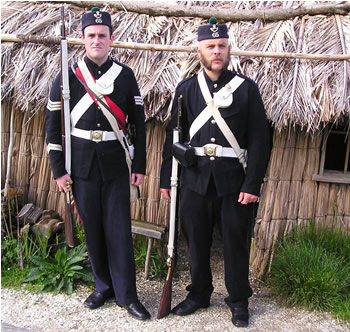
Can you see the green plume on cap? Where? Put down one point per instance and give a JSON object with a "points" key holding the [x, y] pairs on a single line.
{"points": [[95, 9], [213, 20]]}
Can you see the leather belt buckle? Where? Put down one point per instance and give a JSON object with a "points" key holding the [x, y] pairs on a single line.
{"points": [[96, 135], [210, 151]]}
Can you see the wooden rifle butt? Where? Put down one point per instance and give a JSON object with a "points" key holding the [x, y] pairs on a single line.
{"points": [[165, 301], [68, 221]]}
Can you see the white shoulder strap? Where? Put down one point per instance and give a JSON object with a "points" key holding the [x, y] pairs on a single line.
{"points": [[104, 85], [212, 111], [91, 84], [204, 87], [230, 87], [85, 102], [205, 115]]}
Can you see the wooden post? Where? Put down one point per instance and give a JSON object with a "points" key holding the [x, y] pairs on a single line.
{"points": [[9, 153], [148, 256]]}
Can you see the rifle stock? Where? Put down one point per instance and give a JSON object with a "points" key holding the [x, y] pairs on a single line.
{"points": [[165, 301], [65, 125], [68, 221]]}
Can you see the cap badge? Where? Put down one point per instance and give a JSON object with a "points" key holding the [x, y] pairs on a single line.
{"points": [[98, 16], [214, 29]]}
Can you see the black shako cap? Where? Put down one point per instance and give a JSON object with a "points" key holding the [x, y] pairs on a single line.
{"points": [[212, 30], [96, 17]]}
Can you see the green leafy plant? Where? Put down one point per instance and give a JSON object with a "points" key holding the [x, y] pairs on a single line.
{"points": [[26, 244], [79, 231], [59, 273], [10, 246], [43, 245], [158, 267], [9, 252], [311, 268]]}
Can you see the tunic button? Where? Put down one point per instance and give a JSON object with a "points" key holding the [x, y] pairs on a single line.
{"points": [[215, 86], [99, 125], [99, 72], [212, 140], [213, 122], [212, 158]]}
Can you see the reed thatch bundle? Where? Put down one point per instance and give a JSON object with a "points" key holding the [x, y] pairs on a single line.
{"points": [[16, 118], [147, 207], [5, 137], [22, 175], [305, 92], [38, 150]]}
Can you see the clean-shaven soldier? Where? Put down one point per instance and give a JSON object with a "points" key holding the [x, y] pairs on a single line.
{"points": [[100, 177], [219, 107]]}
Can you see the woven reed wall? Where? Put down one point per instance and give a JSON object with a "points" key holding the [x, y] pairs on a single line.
{"points": [[290, 197], [31, 173], [151, 206]]}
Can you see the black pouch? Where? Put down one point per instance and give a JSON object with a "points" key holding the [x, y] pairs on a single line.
{"points": [[184, 154]]}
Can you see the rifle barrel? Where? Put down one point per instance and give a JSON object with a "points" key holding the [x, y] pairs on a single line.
{"points": [[65, 124], [63, 30]]}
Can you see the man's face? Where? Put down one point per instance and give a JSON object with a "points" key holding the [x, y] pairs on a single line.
{"points": [[214, 54], [97, 40]]}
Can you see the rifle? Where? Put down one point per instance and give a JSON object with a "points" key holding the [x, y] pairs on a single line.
{"points": [[65, 124], [165, 301]]}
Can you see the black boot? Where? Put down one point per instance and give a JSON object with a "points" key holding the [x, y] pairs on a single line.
{"points": [[95, 300], [136, 310], [240, 316], [189, 306]]}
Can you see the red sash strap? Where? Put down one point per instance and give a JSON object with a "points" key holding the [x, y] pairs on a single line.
{"points": [[114, 107]]}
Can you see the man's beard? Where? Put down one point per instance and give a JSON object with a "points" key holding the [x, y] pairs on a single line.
{"points": [[207, 64]]}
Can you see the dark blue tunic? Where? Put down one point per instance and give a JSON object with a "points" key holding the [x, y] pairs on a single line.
{"points": [[210, 188], [101, 183]]}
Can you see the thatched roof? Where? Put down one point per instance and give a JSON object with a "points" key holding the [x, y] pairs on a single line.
{"points": [[301, 92]]}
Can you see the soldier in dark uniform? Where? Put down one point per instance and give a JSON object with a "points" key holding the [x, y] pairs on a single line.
{"points": [[216, 189], [100, 176]]}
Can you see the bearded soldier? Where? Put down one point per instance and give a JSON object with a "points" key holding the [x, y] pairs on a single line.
{"points": [[104, 98], [224, 121]]}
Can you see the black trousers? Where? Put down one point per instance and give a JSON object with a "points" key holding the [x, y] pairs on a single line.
{"points": [[198, 215], [104, 207]]}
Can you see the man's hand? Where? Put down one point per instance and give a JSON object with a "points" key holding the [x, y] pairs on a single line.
{"points": [[137, 179], [166, 193], [64, 183], [245, 198]]}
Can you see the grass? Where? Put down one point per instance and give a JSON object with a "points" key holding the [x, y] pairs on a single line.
{"points": [[311, 269], [13, 277]]}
